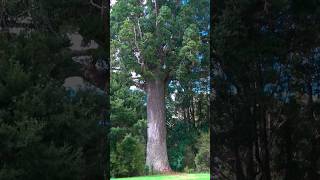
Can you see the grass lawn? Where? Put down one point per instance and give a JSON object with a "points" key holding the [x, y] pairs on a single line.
{"points": [[182, 176]]}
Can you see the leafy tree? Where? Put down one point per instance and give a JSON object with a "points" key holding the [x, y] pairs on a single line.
{"points": [[160, 41], [265, 79], [128, 160], [40, 139], [42, 124], [128, 132], [202, 158]]}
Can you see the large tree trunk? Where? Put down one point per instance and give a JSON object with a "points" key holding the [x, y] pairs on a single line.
{"points": [[157, 158]]}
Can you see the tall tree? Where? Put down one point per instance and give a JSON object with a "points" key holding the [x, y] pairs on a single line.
{"points": [[159, 41], [43, 26], [266, 67]]}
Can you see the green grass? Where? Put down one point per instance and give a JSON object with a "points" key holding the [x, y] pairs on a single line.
{"points": [[203, 176]]}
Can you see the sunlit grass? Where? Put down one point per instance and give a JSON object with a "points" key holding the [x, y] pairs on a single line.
{"points": [[202, 176]]}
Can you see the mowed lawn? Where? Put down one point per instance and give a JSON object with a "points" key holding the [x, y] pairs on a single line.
{"points": [[202, 176]]}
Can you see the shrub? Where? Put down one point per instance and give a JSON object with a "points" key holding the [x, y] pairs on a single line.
{"points": [[181, 138], [147, 170], [128, 158], [202, 159], [188, 170], [41, 134]]}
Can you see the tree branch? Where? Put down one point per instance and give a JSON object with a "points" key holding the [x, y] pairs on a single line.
{"points": [[95, 4], [141, 86], [139, 57], [156, 7], [140, 32]]}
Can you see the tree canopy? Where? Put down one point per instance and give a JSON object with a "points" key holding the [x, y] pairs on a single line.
{"points": [[161, 47], [266, 91], [48, 131]]}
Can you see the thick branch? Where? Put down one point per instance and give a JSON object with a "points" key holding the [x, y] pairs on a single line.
{"points": [[137, 46]]}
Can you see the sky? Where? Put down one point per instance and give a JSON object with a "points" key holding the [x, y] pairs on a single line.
{"points": [[113, 2]]}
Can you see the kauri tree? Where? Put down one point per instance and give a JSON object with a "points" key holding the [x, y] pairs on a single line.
{"points": [[160, 41]]}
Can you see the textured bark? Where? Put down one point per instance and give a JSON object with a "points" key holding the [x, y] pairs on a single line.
{"points": [[238, 165], [250, 113], [157, 158], [266, 173]]}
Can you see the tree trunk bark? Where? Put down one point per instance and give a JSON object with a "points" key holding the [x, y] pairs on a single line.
{"points": [[315, 145], [266, 173], [238, 164], [157, 158], [289, 174]]}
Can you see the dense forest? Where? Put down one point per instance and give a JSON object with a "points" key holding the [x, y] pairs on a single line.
{"points": [[159, 87], [89, 91], [56, 90], [53, 89], [265, 89]]}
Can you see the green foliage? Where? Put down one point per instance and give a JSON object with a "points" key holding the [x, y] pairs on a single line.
{"points": [[14, 80], [202, 159], [188, 170], [191, 43], [44, 132], [181, 137], [43, 136], [266, 55], [128, 158], [157, 37], [128, 132], [187, 150], [47, 132], [126, 34], [159, 43]]}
